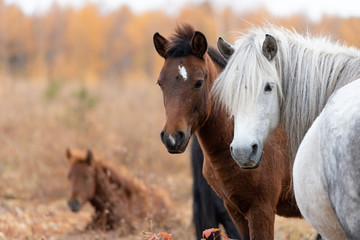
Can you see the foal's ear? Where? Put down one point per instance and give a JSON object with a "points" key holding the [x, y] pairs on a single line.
{"points": [[269, 47], [198, 44], [68, 153], [160, 44], [225, 48], [89, 157]]}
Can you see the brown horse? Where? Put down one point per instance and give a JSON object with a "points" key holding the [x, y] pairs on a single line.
{"points": [[252, 197], [120, 201]]}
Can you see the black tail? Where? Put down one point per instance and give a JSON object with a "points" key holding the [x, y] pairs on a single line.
{"points": [[208, 209]]}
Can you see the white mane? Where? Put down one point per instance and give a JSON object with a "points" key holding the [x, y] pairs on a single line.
{"points": [[308, 70]]}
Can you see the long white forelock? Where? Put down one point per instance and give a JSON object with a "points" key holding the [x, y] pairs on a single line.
{"points": [[239, 85], [308, 70]]}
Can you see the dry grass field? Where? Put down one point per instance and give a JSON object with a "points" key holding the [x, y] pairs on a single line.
{"points": [[121, 123]]}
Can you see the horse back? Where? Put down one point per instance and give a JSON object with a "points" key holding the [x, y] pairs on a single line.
{"points": [[340, 149]]}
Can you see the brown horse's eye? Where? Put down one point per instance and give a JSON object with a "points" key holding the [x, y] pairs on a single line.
{"points": [[198, 84], [159, 83]]}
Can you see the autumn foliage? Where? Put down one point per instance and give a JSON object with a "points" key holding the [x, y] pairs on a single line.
{"points": [[87, 44], [160, 236]]}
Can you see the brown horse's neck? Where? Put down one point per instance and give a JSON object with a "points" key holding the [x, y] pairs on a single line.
{"points": [[102, 188], [216, 133], [106, 179], [214, 69]]}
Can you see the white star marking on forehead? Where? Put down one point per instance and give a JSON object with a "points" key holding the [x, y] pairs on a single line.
{"points": [[182, 72]]}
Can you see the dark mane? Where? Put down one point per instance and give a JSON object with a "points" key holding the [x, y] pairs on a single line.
{"points": [[179, 45]]}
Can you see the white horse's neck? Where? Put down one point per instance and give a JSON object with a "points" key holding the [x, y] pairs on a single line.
{"points": [[310, 71]]}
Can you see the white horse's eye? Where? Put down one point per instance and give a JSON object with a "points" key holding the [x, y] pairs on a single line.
{"points": [[268, 87]]}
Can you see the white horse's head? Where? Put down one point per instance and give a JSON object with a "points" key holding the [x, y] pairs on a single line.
{"points": [[249, 88]]}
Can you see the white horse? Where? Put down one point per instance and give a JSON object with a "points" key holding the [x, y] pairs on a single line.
{"points": [[278, 77]]}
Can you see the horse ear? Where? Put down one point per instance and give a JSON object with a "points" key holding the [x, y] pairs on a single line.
{"points": [[269, 47], [89, 157], [225, 48], [68, 153], [198, 44], [160, 44]]}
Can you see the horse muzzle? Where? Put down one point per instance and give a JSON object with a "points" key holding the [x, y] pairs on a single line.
{"points": [[175, 144], [74, 205], [247, 157]]}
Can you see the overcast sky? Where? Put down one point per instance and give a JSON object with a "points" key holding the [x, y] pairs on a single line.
{"points": [[312, 8]]}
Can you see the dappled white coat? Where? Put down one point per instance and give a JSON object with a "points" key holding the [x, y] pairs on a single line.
{"points": [[331, 144]]}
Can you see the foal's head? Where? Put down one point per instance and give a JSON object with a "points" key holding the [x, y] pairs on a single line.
{"points": [[184, 81], [82, 178]]}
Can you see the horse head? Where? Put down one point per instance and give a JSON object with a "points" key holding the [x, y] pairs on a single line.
{"points": [[249, 89], [184, 81], [82, 178]]}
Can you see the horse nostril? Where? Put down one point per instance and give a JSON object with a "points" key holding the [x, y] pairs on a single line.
{"points": [[254, 148], [77, 205], [162, 136], [231, 148], [181, 136]]}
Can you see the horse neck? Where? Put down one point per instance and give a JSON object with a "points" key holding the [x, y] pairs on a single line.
{"points": [[124, 182], [216, 134], [214, 70], [103, 189], [307, 84]]}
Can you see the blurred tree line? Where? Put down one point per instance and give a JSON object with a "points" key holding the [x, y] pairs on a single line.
{"points": [[87, 44]]}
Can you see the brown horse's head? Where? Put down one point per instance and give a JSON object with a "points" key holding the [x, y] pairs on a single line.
{"points": [[82, 178], [185, 79]]}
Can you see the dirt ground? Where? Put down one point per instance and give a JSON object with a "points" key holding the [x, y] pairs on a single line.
{"points": [[120, 122]]}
